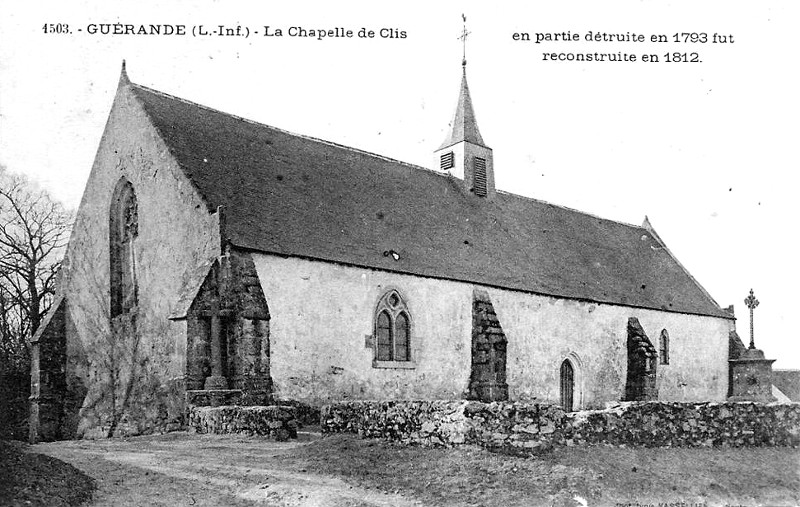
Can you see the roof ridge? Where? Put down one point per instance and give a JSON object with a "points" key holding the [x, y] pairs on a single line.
{"points": [[288, 132]]}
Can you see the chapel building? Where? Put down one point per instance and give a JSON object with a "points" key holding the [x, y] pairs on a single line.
{"points": [[214, 257]]}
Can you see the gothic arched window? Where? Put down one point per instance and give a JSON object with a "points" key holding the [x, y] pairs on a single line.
{"points": [[123, 230], [663, 347], [392, 329]]}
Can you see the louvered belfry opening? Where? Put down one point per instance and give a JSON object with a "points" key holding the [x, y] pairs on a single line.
{"points": [[479, 183], [567, 385], [447, 161]]}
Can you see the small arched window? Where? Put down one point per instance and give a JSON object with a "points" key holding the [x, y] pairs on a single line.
{"points": [[392, 328], [663, 347], [567, 385], [123, 231]]}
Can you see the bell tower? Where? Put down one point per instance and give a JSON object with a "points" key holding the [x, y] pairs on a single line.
{"points": [[463, 153]]}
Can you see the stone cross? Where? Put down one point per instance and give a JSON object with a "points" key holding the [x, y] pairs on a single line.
{"points": [[463, 37], [751, 303]]}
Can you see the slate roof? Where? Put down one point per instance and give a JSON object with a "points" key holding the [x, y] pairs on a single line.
{"points": [[296, 196], [193, 281], [788, 381], [465, 125]]}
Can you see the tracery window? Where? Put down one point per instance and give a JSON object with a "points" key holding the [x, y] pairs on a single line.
{"points": [[392, 329], [123, 230], [663, 347]]}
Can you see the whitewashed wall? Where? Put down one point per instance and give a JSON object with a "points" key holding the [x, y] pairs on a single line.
{"points": [[322, 314]]}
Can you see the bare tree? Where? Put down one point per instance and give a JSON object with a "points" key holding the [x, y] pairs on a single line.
{"points": [[34, 229]]}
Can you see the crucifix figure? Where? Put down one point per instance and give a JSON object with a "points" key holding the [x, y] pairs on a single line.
{"points": [[463, 38], [751, 303]]}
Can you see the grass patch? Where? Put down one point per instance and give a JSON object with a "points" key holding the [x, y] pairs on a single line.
{"points": [[28, 478], [601, 475]]}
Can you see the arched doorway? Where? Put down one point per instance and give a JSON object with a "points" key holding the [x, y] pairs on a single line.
{"points": [[567, 385]]}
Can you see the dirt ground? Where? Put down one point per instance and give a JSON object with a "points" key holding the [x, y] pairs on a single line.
{"points": [[208, 470], [197, 470], [32, 479]]}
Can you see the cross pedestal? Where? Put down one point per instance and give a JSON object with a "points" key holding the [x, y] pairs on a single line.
{"points": [[751, 373]]}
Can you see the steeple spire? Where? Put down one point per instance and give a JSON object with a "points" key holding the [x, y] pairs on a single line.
{"points": [[123, 75], [463, 153], [464, 126]]}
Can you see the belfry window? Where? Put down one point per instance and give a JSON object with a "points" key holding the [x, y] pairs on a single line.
{"points": [[392, 329], [123, 231], [447, 161], [479, 183]]}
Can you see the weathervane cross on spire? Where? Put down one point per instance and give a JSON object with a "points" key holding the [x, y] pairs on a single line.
{"points": [[463, 37]]}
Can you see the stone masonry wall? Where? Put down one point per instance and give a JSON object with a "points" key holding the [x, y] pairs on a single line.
{"points": [[520, 427], [48, 382], [232, 293], [655, 424], [276, 422], [492, 425], [641, 382], [487, 380]]}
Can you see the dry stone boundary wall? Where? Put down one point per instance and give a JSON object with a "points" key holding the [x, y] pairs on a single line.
{"points": [[276, 422], [519, 427]]}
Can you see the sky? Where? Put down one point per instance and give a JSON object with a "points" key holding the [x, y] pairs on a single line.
{"points": [[707, 150]]}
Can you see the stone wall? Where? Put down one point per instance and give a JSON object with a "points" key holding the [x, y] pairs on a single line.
{"points": [[277, 422], [323, 318], [488, 379], [520, 427], [654, 424], [47, 380], [641, 382], [751, 377], [494, 425]]}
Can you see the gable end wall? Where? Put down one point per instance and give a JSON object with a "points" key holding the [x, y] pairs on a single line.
{"points": [[136, 382]]}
